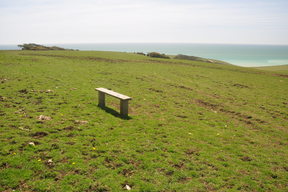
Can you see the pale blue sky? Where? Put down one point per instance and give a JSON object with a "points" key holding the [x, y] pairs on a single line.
{"points": [[184, 21]]}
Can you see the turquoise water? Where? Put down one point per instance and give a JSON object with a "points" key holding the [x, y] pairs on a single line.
{"points": [[242, 55]]}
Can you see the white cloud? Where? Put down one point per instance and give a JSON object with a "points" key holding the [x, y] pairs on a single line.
{"points": [[72, 21]]}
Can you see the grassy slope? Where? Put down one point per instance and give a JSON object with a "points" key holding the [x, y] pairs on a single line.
{"points": [[194, 126], [278, 68]]}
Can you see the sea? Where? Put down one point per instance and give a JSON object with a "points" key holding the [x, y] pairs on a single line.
{"points": [[241, 55]]}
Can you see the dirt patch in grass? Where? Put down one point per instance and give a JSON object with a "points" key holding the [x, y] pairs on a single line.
{"points": [[3, 80], [181, 87], [247, 119], [69, 128], [192, 152], [70, 135], [23, 91], [169, 173], [184, 179], [39, 134], [70, 143], [109, 163], [182, 116], [144, 78], [156, 90], [179, 165], [3, 98], [280, 75], [240, 85], [246, 158], [127, 172]]}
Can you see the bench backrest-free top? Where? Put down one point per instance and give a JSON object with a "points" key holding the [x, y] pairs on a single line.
{"points": [[114, 94]]}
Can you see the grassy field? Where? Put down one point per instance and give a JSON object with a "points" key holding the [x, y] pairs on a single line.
{"points": [[279, 68], [193, 126]]}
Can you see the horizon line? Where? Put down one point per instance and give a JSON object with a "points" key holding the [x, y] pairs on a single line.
{"points": [[151, 43]]}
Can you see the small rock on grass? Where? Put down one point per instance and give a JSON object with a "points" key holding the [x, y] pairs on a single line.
{"points": [[31, 143], [81, 122], [44, 118], [50, 162], [24, 129], [127, 187]]}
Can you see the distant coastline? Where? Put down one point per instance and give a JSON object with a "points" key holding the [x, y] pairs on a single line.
{"points": [[241, 55]]}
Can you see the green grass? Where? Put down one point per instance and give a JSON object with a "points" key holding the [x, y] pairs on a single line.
{"points": [[278, 68], [193, 126]]}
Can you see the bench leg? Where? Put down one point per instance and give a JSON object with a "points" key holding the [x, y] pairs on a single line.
{"points": [[124, 108], [101, 99]]}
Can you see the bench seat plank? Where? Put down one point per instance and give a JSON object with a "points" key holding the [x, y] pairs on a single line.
{"points": [[114, 94]]}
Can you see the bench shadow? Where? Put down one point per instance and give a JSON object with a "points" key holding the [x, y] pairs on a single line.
{"points": [[114, 112]]}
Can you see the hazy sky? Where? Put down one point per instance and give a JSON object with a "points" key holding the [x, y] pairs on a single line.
{"points": [[99, 21]]}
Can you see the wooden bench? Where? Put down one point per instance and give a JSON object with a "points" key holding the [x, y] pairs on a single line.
{"points": [[123, 100]]}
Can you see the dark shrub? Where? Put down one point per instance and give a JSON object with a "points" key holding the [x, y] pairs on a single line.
{"points": [[158, 55], [187, 57], [140, 53]]}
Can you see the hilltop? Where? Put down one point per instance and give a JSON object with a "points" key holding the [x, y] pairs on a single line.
{"points": [[37, 47], [279, 68], [193, 126], [201, 59]]}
